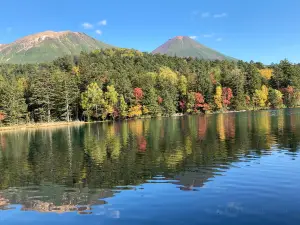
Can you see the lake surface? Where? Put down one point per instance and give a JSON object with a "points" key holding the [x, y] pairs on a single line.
{"points": [[235, 168]]}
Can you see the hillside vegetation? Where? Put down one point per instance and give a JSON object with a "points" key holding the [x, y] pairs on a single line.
{"points": [[122, 83]]}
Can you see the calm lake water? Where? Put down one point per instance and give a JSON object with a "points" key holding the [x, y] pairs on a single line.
{"points": [[236, 168]]}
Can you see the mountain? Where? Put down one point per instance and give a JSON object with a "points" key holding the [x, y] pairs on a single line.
{"points": [[183, 46], [48, 45]]}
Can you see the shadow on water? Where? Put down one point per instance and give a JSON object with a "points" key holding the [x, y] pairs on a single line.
{"points": [[75, 168]]}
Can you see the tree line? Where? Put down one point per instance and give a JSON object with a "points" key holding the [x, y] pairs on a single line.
{"points": [[122, 83]]}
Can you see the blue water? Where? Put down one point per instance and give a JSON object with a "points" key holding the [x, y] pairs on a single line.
{"points": [[237, 168]]}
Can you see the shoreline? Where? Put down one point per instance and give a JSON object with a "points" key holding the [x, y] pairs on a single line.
{"points": [[40, 125], [73, 123]]}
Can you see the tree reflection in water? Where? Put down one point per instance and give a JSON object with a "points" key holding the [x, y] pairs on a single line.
{"points": [[74, 168]]}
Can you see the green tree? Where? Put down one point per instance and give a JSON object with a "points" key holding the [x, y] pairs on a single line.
{"points": [[252, 79], [150, 100], [12, 101], [67, 96], [275, 98], [92, 100], [182, 86], [43, 97], [123, 107], [111, 100]]}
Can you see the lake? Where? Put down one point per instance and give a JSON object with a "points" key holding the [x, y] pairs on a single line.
{"points": [[235, 168]]}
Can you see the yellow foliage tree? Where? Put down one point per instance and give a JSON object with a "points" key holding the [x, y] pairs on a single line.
{"points": [[266, 73], [260, 97], [145, 110], [168, 74], [218, 97], [75, 70], [182, 85], [135, 111]]}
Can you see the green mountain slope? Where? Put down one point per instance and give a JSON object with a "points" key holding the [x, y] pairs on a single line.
{"points": [[47, 46], [183, 46]]}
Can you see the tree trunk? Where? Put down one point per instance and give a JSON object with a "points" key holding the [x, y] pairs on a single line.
{"points": [[49, 114], [96, 111], [67, 107]]}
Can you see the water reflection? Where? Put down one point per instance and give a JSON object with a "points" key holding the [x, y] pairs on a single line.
{"points": [[74, 169]]}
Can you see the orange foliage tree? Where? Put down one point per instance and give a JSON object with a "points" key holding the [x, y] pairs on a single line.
{"points": [[138, 94], [2, 117], [266, 73]]}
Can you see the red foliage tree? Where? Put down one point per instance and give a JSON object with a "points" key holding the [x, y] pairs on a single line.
{"points": [[206, 107], [159, 100], [226, 96], [199, 100], [138, 94], [182, 105], [289, 90], [2, 116]]}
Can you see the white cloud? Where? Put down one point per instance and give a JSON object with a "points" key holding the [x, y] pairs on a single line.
{"points": [[87, 26], [219, 39], [208, 35], [221, 15], [205, 14], [98, 32], [102, 23], [193, 37]]}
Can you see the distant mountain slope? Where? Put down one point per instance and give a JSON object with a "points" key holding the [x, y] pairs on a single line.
{"points": [[183, 46], [47, 46]]}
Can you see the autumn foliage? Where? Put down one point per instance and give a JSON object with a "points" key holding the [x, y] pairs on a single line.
{"points": [[218, 97], [260, 97], [182, 105], [266, 73], [159, 100], [135, 111], [199, 100], [138, 94], [2, 116], [226, 96], [112, 84]]}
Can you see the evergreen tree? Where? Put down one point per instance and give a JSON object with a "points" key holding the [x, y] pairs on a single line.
{"points": [[12, 102], [43, 97], [67, 95], [150, 100]]}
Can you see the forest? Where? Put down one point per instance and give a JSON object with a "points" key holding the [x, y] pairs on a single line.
{"points": [[116, 84]]}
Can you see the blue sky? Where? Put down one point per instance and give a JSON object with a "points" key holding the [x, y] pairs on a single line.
{"points": [[260, 30]]}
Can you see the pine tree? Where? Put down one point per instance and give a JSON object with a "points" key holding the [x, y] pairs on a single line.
{"points": [[150, 101], [12, 102], [67, 95], [43, 97]]}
